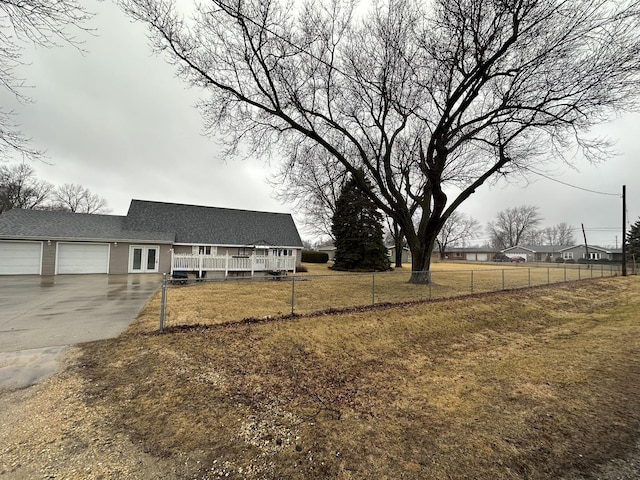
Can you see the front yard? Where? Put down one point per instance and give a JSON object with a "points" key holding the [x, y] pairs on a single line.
{"points": [[321, 290], [537, 384]]}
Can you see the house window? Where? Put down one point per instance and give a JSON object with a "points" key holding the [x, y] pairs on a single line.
{"points": [[458, 254], [567, 255], [262, 252], [593, 255], [203, 250]]}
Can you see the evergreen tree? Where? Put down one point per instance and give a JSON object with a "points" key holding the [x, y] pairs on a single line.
{"points": [[633, 242], [357, 230]]}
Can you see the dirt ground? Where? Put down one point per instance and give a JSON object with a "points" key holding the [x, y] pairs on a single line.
{"points": [[520, 385]]}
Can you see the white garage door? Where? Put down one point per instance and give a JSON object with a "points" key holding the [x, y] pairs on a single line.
{"points": [[483, 257], [20, 258], [471, 256], [83, 258]]}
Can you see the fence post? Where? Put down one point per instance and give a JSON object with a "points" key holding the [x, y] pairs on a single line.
{"points": [[373, 287], [579, 273], [565, 272], [163, 301], [430, 291], [548, 277], [293, 292], [471, 282], [503, 279], [529, 275]]}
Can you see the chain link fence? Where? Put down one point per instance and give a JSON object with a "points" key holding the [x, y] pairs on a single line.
{"points": [[215, 301]]}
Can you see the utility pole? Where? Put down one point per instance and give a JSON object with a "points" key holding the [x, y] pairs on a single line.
{"points": [[624, 230], [586, 245]]}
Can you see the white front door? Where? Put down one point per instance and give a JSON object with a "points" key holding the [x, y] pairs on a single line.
{"points": [[143, 259]]}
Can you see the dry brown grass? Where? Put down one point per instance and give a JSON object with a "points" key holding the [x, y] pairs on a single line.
{"points": [[534, 384], [322, 289]]}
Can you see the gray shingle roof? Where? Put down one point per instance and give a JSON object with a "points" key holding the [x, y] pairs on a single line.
{"points": [[156, 222], [538, 248], [193, 224], [473, 250], [46, 225]]}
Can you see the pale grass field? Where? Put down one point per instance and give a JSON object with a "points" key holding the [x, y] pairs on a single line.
{"points": [[531, 384], [322, 289]]}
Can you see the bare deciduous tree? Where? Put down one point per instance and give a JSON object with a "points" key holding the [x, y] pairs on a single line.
{"points": [[513, 225], [560, 234], [78, 199], [417, 95], [40, 22], [313, 184], [456, 231], [19, 188]]}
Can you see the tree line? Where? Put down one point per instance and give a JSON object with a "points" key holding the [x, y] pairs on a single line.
{"points": [[21, 188], [357, 231]]}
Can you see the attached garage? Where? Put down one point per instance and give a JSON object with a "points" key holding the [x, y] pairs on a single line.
{"points": [[20, 258], [482, 257], [82, 258]]}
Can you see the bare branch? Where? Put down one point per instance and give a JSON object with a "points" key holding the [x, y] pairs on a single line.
{"points": [[409, 97], [47, 23]]}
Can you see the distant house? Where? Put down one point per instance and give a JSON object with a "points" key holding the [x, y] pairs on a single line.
{"points": [[543, 253], [154, 237], [471, 254], [406, 254], [535, 253], [330, 250], [595, 253]]}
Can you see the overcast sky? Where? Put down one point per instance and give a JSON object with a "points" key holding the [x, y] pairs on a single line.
{"points": [[118, 121]]}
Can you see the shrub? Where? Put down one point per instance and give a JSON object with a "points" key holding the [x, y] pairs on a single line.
{"points": [[311, 256], [559, 260], [569, 260]]}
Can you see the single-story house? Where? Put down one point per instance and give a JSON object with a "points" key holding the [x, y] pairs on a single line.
{"points": [[472, 254], [577, 252], [406, 254], [330, 250], [535, 253], [549, 253], [154, 237]]}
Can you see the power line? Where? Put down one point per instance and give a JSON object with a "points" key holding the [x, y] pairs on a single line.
{"points": [[570, 185]]}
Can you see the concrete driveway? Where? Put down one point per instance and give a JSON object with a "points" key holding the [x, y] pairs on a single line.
{"points": [[41, 316]]}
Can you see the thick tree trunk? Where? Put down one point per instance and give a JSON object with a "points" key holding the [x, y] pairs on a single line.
{"points": [[420, 278], [399, 240], [421, 262]]}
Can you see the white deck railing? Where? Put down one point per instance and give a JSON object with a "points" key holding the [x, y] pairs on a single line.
{"points": [[230, 263]]}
